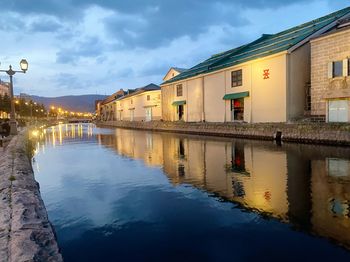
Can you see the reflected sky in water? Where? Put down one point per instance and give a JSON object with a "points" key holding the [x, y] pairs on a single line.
{"points": [[126, 195]]}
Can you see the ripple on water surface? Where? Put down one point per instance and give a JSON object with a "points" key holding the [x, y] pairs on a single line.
{"points": [[126, 195]]}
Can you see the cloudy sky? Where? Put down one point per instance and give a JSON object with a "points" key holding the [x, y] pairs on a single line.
{"points": [[99, 46]]}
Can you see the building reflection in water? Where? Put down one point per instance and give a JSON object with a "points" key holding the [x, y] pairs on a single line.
{"points": [[307, 186]]}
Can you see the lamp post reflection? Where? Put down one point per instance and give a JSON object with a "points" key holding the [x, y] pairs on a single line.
{"points": [[306, 186]]}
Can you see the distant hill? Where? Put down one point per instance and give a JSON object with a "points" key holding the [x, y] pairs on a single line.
{"points": [[82, 103]]}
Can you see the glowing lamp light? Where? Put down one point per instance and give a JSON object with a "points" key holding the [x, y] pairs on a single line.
{"points": [[24, 65], [35, 133]]}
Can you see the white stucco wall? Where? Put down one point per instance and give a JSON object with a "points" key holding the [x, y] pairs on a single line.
{"points": [[194, 104], [139, 105], [269, 95], [267, 101], [214, 105]]}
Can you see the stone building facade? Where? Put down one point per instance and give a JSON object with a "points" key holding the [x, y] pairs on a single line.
{"points": [[330, 75], [4, 88]]}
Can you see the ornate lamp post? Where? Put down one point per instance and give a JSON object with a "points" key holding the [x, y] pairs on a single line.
{"points": [[11, 73]]}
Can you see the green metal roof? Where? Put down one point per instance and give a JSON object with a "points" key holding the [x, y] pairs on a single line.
{"points": [[236, 95], [179, 103], [262, 47]]}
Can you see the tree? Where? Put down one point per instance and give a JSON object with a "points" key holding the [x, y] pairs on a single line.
{"points": [[2, 106], [6, 101]]}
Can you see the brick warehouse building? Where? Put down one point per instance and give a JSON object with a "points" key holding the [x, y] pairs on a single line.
{"points": [[330, 74]]}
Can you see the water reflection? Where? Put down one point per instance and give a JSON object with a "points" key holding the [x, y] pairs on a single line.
{"points": [[241, 171], [306, 186]]}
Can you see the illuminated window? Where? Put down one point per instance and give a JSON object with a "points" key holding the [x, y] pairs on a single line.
{"points": [[337, 68], [179, 90], [236, 78], [237, 108]]}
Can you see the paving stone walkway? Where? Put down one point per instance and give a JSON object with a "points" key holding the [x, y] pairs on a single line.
{"points": [[25, 231]]}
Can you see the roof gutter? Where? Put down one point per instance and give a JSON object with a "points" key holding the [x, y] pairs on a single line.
{"points": [[317, 33]]}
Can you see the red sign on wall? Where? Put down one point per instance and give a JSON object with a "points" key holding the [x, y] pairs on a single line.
{"points": [[266, 74]]}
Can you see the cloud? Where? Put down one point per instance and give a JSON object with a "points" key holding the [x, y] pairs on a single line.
{"points": [[157, 28], [137, 23], [11, 22], [146, 24], [106, 45], [66, 8], [45, 25], [88, 48], [67, 81]]}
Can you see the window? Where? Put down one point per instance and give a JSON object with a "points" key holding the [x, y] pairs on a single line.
{"points": [[148, 97], [131, 101], [337, 68], [348, 67], [179, 90], [236, 77]]}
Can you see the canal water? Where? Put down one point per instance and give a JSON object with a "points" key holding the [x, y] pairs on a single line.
{"points": [[127, 195]]}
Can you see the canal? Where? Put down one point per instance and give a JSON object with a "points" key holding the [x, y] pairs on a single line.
{"points": [[127, 195]]}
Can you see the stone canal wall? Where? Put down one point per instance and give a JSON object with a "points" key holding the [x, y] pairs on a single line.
{"points": [[25, 231], [318, 133]]}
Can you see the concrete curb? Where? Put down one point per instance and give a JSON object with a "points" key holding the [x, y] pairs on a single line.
{"points": [[25, 231]]}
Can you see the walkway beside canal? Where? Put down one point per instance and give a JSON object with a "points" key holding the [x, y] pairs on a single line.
{"points": [[25, 231], [315, 133]]}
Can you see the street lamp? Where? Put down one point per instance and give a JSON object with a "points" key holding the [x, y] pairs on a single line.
{"points": [[11, 73]]}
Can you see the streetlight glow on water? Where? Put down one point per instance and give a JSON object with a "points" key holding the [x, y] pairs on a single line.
{"points": [[117, 194]]}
